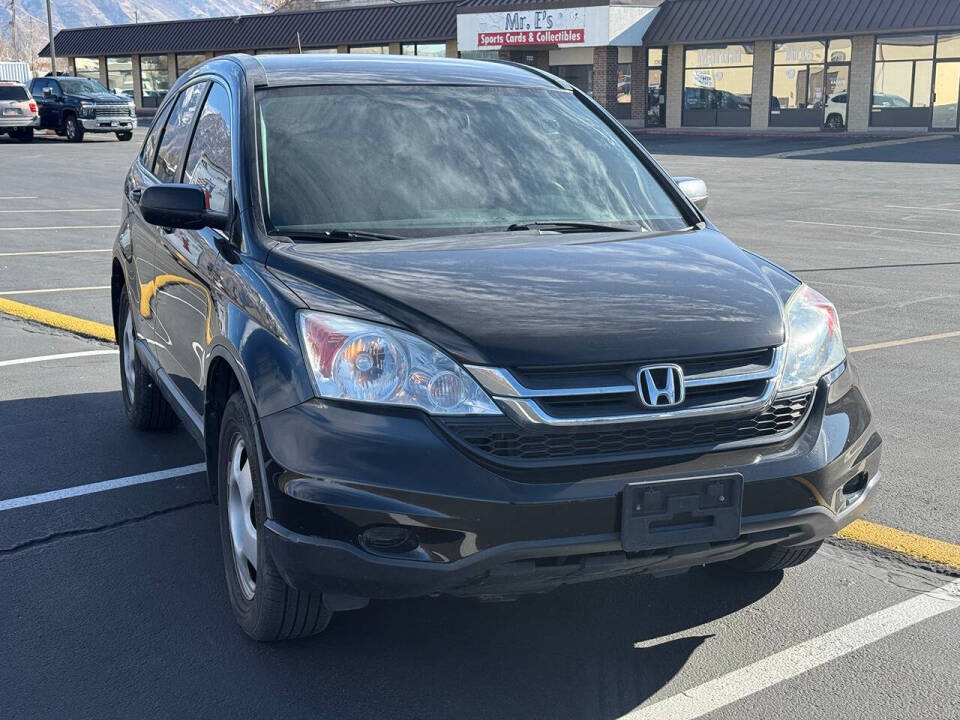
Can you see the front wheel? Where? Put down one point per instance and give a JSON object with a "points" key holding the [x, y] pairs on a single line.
{"points": [[266, 607], [146, 407], [835, 122], [774, 557], [73, 129], [125, 136]]}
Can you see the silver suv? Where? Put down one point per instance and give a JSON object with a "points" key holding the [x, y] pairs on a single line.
{"points": [[18, 111]]}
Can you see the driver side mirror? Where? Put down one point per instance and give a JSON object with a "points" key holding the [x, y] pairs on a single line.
{"points": [[695, 189], [47, 92], [172, 205]]}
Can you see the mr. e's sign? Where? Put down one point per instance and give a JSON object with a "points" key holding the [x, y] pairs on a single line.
{"points": [[531, 27], [592, 26]]}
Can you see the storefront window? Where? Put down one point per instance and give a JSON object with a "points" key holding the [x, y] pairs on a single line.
{"points": [[371, 50], [579, 75], [120, 75], [479, 54], [948, 46], [902, 81], [185, 61], [88, 68], [623, 83], [320, 51], [430, 49], [656, 97], [154, 79], [809, 80], [718, 86]]}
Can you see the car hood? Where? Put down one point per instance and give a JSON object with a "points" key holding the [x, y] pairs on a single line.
{"points": [[104, 98], [527, 299]]}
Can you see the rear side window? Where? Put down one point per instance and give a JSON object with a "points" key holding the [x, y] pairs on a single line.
{"points": [[150, 144], [38, 86], [210, 160], [13, 92], [176, 134]]}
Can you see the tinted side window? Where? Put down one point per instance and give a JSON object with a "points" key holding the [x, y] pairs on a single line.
{"points": [[176, 134], [150, 144], [209, 162], [38, 86]]}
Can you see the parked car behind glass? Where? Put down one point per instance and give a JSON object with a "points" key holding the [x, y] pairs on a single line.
{"points": [[443, 326]]}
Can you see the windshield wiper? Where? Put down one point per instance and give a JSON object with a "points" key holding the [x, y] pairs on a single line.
{"points": [[565, 226], [339, 236]]}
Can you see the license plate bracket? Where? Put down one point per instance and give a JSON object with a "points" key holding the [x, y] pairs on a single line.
{"points": [[685, 511]]}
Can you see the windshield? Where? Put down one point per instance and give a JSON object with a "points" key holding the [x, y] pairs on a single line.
{"points": [[431, 160], [81, 86]]}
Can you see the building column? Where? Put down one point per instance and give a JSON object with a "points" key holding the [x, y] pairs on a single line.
{"points": [[762, 77], [605, 65], [172, 67], [102, 59], [394, 48], [343, 49], [137, 81], [674, 85], [859, 101], [638, 86], [452, 49]]}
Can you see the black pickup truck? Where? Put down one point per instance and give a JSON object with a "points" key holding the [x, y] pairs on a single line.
{"points": [[74, 106]]}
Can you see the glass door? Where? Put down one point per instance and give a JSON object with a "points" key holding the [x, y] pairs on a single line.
{"points": [[946, 94]]}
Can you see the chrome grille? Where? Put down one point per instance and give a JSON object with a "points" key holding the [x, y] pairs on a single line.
{"points": [[113, 111], [507, 440], [734, 385]]}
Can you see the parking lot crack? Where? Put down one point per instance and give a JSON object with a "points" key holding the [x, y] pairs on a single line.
{"points": [[62, 535]]}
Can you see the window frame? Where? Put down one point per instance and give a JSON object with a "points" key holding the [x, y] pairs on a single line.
{"points": [[231, 127], [173, 101], [743, 116], [877, 113], [825, 66]]}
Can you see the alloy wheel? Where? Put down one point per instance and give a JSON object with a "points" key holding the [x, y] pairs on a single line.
{"points": [[241, 515], [129, 370]]}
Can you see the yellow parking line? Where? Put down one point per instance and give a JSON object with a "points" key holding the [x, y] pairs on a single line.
{"points": [[97, 330], [902, 542]]}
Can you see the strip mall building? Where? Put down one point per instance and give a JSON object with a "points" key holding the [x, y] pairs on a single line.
{"points": [[860, 65]]}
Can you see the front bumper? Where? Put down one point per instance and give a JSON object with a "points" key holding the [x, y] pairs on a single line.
{"points": [[108, 125], [335, 471]]}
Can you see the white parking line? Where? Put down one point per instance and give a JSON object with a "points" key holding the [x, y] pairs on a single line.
{"points": [[19, 197], [915, 207], [60, 356], [873, 227], [53, 290], [806, 656], [61, 210], [97, 487], [905, 341], [59, 227], [51, 252]]}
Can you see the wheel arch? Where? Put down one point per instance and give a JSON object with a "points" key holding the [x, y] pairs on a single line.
{"points": [[118, 285]]}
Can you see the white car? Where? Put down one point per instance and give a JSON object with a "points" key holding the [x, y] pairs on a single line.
{"points": [[18, 111], [836, 110]]}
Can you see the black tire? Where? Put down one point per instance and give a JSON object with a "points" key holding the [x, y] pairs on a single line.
{"points": [[72, 128], [774, 557], [270, 610], [24, 135], [146, 407], [125, 136], [835, 122]]}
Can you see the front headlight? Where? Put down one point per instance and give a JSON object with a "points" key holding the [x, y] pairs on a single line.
{"points": [[88, 110], [367, 362], [814, 344]]}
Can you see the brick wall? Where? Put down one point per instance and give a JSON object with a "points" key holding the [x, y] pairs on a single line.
{"points": [[605, 62], [859, 101], [638, 85], [762, 77], [674, 86]]}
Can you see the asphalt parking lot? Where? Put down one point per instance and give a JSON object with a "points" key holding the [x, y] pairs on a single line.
{"points": [[113, 602]]}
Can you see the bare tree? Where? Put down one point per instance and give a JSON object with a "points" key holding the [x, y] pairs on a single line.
{"points": [[24, 37]]}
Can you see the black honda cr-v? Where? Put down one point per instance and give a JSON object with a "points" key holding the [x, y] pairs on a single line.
{"points": [[444, 326]]}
